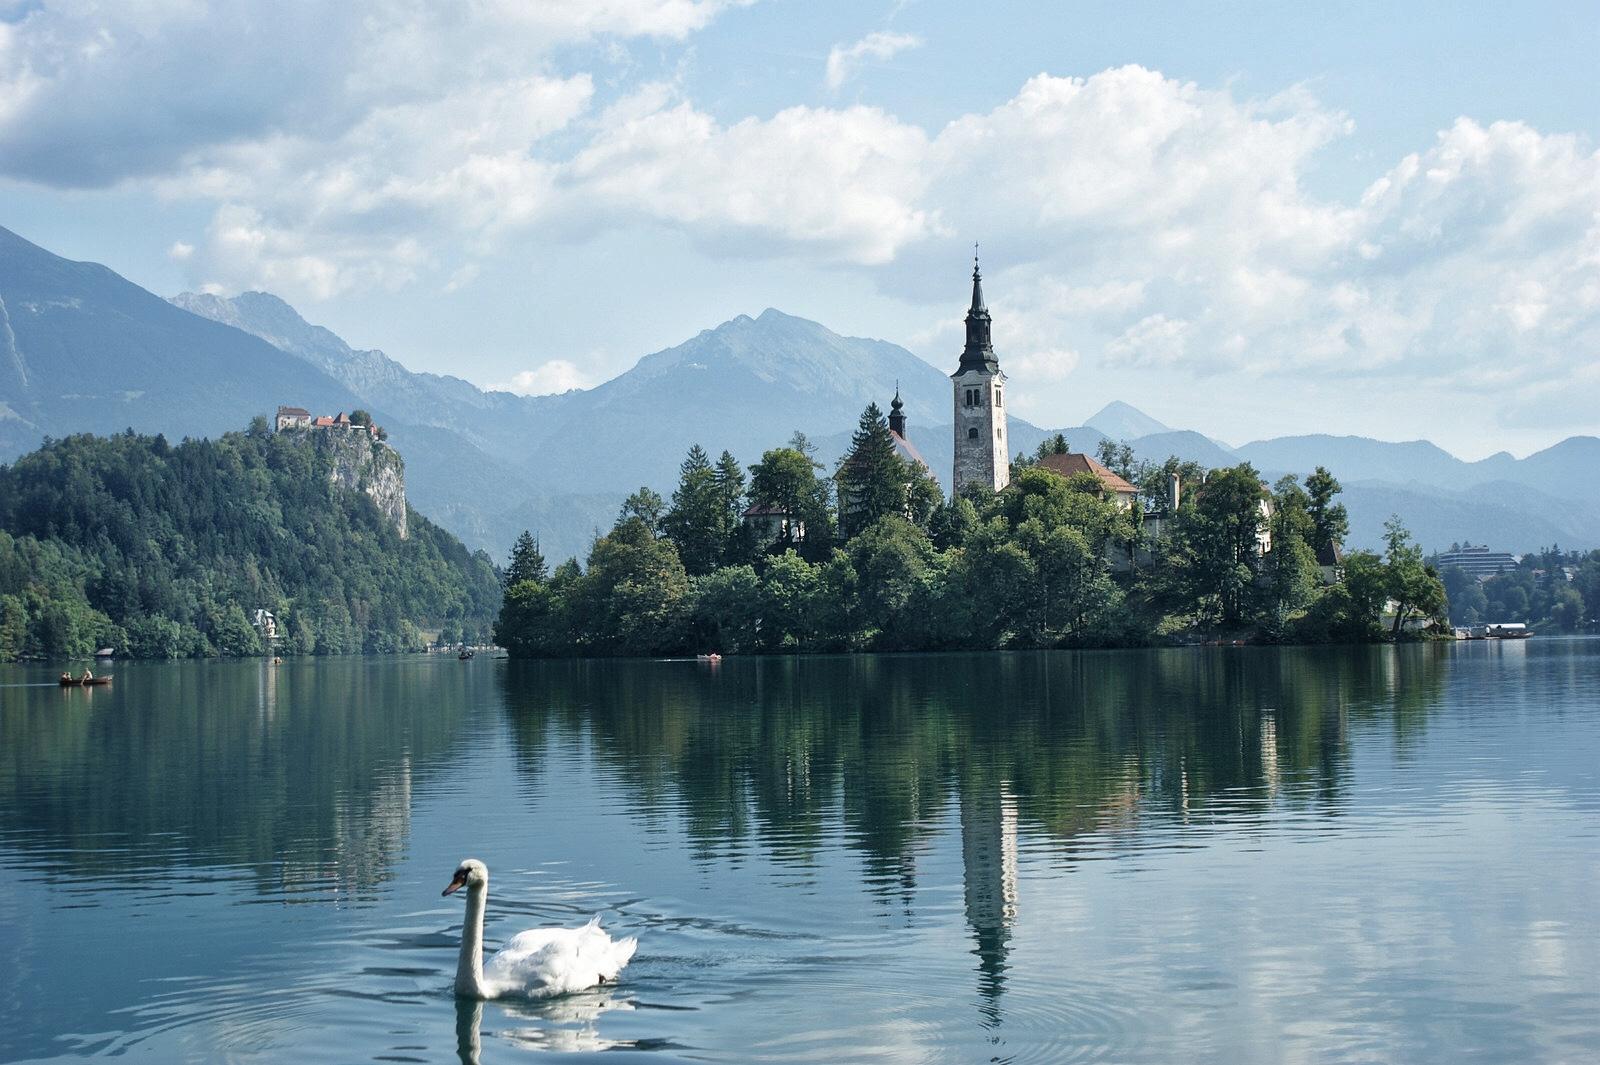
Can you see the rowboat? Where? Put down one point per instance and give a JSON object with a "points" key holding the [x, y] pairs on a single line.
{"points": [[79, 682]]}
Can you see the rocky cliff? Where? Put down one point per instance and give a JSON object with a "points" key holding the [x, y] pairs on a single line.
{"points": [[357, 463]]}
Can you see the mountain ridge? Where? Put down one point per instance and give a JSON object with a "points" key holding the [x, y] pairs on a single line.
{"points": [[489, 463]]}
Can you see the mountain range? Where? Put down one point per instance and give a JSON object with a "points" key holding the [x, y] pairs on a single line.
{"points": [[84, 349]]}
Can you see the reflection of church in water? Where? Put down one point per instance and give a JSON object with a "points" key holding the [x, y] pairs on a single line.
{"points": [[989, 880]]}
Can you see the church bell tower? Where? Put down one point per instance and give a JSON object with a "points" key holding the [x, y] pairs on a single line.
{"points": [[980, 416]]}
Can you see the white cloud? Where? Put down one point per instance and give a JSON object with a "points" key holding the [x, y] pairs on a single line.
{"points": [[842, 184], [1129, 220], [375, 206], [1157, 340], [845, 60], [554, 376], [92, 93], [1148, 223], [463, 277], [1051, 364]]}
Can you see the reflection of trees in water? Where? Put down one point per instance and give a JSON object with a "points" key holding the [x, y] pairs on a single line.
{"points": [[772, 748], [302, 772], [1071, 746]]}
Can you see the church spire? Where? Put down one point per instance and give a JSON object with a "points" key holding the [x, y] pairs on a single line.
{"points": [[897, 413], [979, 352]]}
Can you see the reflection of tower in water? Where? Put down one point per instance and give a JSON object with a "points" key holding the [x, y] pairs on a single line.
{"points": [[989, 864], [1270, 773], [267, 691]]}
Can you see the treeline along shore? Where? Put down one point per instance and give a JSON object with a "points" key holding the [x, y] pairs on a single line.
{"points": [[787, 559], [254, 543]]}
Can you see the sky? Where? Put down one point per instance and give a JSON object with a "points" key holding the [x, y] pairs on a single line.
{"points": [[1250, 219]]}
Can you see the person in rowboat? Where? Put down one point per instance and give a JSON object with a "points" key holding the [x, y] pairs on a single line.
{"points": [[88, 675]]}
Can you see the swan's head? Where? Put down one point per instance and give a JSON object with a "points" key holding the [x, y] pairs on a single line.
{"points": [[470, 874]]}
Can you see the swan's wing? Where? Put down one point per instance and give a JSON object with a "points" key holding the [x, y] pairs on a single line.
{"points": [[553, 961], [531, 942]]}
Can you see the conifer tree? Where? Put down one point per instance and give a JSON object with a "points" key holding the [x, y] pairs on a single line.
{"points": [[730, 492], [1053, 445], [527, 562], [1330, 520], [697, 521], [872, 478]]}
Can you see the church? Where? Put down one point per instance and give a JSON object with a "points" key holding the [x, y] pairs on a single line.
{"points": [[982, 445], [981, 451], [982, 454]]}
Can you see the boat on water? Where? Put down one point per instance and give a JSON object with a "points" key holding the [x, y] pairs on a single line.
{"points": [[712, 657], [464, 656], [80, 682], [1509, 630]]}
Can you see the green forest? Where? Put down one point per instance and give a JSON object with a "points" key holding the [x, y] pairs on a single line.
{"points": [[163, 551], [1551, 590], [875, 558]]}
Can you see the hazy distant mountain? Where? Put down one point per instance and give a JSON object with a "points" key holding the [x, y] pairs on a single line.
{"points": [[81, 348], [1569, 470], [1358, 458], [1120, 421], [743, 386], [493, 420], [1187, 445], [563, 463], [1510, 516]]}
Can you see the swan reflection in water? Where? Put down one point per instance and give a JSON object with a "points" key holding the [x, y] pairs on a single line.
{"points": [[562, 1025]]}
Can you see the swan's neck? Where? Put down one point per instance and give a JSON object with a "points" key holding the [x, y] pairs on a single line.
{"points": [[469, 969]]}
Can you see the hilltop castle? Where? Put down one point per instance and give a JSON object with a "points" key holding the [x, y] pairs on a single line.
{"points": [[359, 457], [290, 418]]}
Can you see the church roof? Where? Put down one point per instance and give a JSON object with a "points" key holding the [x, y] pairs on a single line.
{"points": [[1330, 554], [908, 451], [1073, 463], [979, 351], [902, 447]]}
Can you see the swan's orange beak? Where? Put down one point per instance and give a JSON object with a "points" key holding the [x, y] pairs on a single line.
{"points": [[459, 881]]}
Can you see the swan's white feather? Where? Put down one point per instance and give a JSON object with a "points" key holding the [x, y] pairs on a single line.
{"points": [[556, 961]]}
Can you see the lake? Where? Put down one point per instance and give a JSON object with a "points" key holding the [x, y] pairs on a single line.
{"points": [[1203, 855]]}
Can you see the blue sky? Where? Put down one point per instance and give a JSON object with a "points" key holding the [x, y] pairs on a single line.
{"points": [[1249, 219]]}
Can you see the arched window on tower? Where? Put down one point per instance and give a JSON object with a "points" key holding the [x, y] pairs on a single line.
{"points": [[972, 434]]}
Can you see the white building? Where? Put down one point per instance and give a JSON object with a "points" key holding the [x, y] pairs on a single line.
{"points": [[292, 418], [981, 446]]}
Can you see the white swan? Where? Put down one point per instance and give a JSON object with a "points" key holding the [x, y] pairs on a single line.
{"points": [[537, 963]]}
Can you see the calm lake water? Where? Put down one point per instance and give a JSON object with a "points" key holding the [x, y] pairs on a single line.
{"points": [[1218, 855]]}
